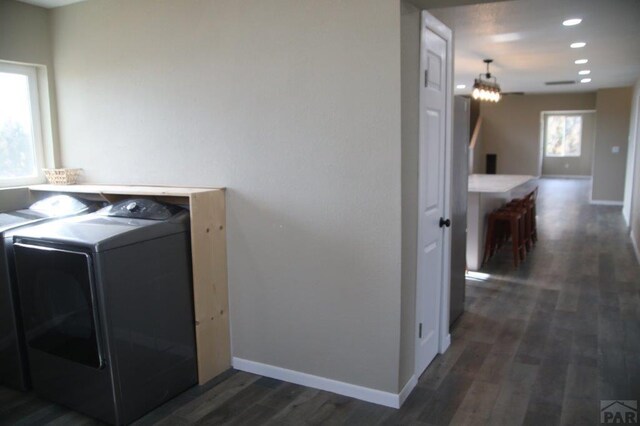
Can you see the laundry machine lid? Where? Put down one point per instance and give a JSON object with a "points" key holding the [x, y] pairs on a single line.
{"points": [[51, 207], [10, 220], [97, 232], [60, 205], [141, 208]]}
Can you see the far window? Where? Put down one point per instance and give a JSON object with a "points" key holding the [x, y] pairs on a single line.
{"points": [[563, 135], [21, 153]]}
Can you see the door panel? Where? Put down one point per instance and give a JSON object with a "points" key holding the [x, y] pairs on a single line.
{"points": [[431, 151], [435, 70], [433, 106]]}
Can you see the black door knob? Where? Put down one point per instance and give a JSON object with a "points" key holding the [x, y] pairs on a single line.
{"points": [[444, 222]]}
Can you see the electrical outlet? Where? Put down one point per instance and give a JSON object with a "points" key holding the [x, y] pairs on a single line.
{"points": [[615, 150]]}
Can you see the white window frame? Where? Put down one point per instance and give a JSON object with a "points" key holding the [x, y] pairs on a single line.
{"points": [[34, 99], [547, 116]]}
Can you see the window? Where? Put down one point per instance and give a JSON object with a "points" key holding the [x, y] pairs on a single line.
{"points": [[563, 135], [21, 150]]}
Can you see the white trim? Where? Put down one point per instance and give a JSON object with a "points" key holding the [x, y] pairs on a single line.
{"points": [[631, 160], [30, 72], [375, 396], [406, 390], [445, 338], [634, 243], [606, 202], [446, 342], [566, 176], [431, 23]]}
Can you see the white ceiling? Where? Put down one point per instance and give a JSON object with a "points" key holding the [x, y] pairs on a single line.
{"points": [[50, 3], [530, 45]]}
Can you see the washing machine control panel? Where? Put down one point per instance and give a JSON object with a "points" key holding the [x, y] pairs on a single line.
{"points": [[141, 208]]}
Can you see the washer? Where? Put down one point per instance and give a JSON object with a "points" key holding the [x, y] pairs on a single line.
{"points": [[108, 310], [13, 365]]}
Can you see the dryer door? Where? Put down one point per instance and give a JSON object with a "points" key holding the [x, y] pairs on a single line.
{"points": [[59, 303]]}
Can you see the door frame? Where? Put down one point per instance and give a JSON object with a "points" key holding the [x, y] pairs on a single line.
{"points": [[429, 22], [633, 147]]}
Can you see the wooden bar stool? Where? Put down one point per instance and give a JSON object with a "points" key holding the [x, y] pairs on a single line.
{"points": [[506, 220], [529, 202], [522, 228], [533, 197], [524, 205]]}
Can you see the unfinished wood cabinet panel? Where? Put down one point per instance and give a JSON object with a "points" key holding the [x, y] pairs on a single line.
{"points": [[209, 260], [209, 252]]}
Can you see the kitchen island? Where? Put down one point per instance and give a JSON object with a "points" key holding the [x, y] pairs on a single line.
{"points": [[487, 193]]}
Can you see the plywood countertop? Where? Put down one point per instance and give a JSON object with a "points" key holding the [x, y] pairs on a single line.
{"points": [[170, 191]]}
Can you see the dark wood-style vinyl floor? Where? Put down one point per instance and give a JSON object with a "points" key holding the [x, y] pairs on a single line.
{"points": [[541, 345]]}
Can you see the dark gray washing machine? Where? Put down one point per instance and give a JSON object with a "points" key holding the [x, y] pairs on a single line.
{"points": [[107, 308], [13, 361]]}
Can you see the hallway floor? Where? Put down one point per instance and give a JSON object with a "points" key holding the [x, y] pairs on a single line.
{"points": [[540, 345]]}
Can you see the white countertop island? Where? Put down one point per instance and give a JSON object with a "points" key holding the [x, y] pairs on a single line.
{"points": [[487, 193], [497, 183]]}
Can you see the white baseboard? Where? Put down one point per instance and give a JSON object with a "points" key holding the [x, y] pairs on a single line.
{"points": [[375, 396], [406, 390], [635, 246], [606, 202], [446, 342]]}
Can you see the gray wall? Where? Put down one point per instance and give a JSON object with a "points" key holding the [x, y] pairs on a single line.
{"points": [[25, 38], [575, 166], [24, 33], [614, 108], [511, 127], [13, 198], [410, 23], [295, 106]]}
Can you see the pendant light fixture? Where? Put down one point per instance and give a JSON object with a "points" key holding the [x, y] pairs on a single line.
{"points": [[486, 90]]}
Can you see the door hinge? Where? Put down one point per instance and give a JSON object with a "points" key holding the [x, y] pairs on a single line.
{"points": [[420, 331], [426, 77]]}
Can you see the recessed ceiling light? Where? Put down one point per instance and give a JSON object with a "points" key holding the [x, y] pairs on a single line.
{"points": [[461, 86], [584, 72], [585, 80], [571, 22], [578, 45], [581, 61]]}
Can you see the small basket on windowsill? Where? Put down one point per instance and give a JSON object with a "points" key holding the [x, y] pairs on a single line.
{"points": [[62, 176]]}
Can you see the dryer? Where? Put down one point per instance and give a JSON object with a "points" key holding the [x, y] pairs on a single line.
{"points": [[13, 365], [107, 308]]}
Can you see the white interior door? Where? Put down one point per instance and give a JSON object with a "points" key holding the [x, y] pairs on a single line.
{"points": [[432, 191]]}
